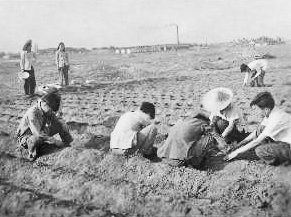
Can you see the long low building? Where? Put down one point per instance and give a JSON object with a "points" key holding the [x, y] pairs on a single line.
{"points": [[151, 48]]}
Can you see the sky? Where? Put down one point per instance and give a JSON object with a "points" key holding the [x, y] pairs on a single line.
{"points": [[103, 23]]}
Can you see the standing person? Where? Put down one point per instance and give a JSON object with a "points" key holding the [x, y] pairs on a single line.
{"points": [[256, 70], [26, 65], [62, 61], [224, 114], [273, 136], [40, 124], [135, 131]]}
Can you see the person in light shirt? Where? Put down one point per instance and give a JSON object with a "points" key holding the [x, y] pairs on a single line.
{"points": [[273, 137], [135, 131], [62, 61], [224, 114], [256, 70], [26, 65]]}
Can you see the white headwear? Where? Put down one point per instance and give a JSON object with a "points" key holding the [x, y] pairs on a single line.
{"points": [[217, 99]]}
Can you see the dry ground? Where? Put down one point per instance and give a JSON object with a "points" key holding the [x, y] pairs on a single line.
{"points": [[86, 180]]}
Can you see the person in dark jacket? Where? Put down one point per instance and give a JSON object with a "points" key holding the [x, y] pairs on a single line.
{"points": [[40, 124], [189, 141]]}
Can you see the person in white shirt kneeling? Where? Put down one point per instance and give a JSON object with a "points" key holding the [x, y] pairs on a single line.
{"points": [[273, 137], [135, 132]]}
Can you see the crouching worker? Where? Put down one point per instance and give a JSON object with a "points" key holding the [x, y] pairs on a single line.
{"points": [[189, 142], [256, 70], [273, 137], [40, 123], [135, 132], [224, 114]]}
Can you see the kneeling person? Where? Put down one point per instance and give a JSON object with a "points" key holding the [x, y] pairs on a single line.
{"points": [[273, 137], [135, 131], [189, 142], [224, 114], [40, 124]]}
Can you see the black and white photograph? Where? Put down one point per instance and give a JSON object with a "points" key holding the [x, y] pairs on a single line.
{"points": [[145, 108]]}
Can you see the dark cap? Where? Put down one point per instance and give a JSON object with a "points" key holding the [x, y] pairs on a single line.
{"points": [[148, 108], [53, 100], [263, 100], [243, 67]]}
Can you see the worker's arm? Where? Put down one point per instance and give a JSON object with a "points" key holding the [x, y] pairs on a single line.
{"points": [[247, 147], [246, 79], [229, 128]]}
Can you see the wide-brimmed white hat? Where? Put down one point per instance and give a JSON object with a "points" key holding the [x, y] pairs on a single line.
{"points": [[23, 75], [217, 99], [48, 88], [258, 56]]}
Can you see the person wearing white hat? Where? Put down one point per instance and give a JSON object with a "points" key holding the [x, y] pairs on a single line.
{"points": [[256, 70], [224, 114], [26, 65]]}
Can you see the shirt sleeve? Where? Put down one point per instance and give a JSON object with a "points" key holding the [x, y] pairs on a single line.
{"points": [[246, 77], [272, 126], [34, 124], [22, 60], [57, 58]]}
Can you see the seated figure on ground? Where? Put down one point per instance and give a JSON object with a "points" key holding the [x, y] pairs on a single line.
{"points": [[189, 142], [256, 70], [273, 136], [135, 132], [224, 114], [40, 124]]}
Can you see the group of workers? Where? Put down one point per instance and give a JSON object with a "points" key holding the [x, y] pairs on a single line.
{"points": [[187, 142]]}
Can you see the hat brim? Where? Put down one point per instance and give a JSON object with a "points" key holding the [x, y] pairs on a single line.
{"points": [[211, 101]]}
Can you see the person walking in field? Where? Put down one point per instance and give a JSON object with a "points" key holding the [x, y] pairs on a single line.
{"points": [[224, 114], [62, 61], [26, 65], [273, 136], [135, 132], [40, 124], [189, 142], [256, 70]]}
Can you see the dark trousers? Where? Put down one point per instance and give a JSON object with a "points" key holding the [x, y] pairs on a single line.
{"points": [[258, 81], [235, 135], [274, 153], [33, 143], [30, 83], [196, 154], [63, 75]]}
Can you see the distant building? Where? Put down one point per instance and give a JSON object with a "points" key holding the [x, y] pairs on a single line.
{"points": [[151, 48]]}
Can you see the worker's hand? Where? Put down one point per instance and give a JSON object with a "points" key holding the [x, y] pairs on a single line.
{"points": [[232, 155]]}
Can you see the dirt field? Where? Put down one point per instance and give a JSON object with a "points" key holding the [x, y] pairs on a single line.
{"points": [[86, 180]]}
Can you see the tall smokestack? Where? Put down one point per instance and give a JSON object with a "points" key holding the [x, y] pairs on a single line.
{"points": [[178, 42]]}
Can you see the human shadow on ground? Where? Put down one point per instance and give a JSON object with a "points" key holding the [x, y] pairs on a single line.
{"points": [[47, 148], [99, 142], [102, 143]]}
